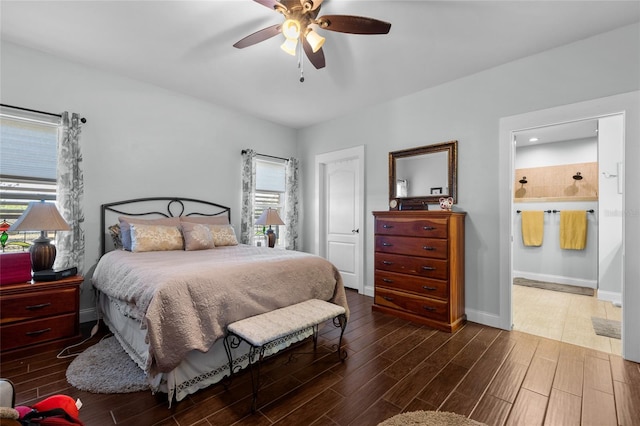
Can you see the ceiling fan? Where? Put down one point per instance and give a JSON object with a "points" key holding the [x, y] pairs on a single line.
{"points": [[301, 22]]}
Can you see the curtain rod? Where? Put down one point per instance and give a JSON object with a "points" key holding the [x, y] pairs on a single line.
{"points": [[244, 151], [83, 120]]}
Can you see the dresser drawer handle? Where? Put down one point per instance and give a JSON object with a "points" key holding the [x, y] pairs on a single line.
{"points": [[428, 228], [387, 226], [387, 245], [387, 262], [40, 306], [429, 308], [388, 299], [426, 287], [38, 332], [428, 268], [428, 248], [387, 280]]}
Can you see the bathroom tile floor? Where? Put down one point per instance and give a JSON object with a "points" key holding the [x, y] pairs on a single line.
{"points": [[563, 316]]}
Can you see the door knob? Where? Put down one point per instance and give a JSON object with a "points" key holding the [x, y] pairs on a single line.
{"points": [[355, 231]]}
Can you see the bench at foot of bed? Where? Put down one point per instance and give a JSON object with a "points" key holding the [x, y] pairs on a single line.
{"points": [[261, 330]]}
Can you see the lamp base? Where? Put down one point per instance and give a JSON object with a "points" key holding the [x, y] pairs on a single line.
{"points": [[271, 237], [43, 254]]}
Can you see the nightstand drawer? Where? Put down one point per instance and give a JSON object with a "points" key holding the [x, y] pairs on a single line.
{"points": [[37, 331], [431, 308], [412, 246], [22, 307]]}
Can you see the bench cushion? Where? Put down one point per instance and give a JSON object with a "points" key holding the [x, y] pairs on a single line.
{"points": [[264, 328]]}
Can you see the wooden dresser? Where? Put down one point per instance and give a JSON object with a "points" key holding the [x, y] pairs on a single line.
{"points": [[39, 316], [419, 266]]}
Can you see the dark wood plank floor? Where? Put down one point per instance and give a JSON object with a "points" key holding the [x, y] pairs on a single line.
{"points": [[490, 375]]}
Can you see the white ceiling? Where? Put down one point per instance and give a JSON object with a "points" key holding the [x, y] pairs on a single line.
{"points": [[186, 46]]}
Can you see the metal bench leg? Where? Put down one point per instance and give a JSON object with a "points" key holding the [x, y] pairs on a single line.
{"points": [[341, 321], [255, 377]]}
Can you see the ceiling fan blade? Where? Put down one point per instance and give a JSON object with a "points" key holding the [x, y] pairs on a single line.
{"points": [[317, 58], [271, 4], [353, 24], [259, 36]]}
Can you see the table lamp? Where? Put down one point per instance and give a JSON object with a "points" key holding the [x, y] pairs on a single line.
{"points": [[270, 217], [43, 217]]}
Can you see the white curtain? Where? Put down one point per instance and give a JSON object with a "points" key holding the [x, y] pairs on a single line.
{"points": [[248, 195], [70, 244], [292, 203]]}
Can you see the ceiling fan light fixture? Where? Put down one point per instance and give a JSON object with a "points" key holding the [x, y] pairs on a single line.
{"points": [[290, 45], [291, 29], [308, 5], [315, 40]]}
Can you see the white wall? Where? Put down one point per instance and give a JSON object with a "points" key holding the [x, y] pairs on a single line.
{"points": [[139, 140], [469, 110]]}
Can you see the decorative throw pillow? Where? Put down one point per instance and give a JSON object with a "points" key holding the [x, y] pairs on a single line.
{"points": [[197, 236], [125, 222], [223, 235], [114, 231], [206, 220], [155, 238]]}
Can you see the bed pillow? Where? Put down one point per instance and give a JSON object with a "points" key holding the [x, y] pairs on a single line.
{"points": [[155, 238], [206, 220], [223, 235], [125, 222], [197, 236]]}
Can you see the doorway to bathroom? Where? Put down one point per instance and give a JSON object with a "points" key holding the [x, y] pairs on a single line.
{"points": [[567, 232]]}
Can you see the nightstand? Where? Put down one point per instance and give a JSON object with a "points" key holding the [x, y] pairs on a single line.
{"points": [[39, 316]]}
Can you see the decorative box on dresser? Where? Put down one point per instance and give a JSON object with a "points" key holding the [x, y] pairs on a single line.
{"points": [[38, 316], [419, 266]]}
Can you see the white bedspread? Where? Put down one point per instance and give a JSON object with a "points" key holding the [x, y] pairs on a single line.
{"points": [[187, 298]]}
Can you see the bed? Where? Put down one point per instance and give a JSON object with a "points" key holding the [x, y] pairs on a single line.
{"points": [[172, 276]]}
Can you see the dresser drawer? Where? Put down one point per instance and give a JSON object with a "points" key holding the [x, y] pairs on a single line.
{"points": [[423, 306], [37, 331], [426, 247], [21, 307], [431, 228], [421, 266], [418, 285]]}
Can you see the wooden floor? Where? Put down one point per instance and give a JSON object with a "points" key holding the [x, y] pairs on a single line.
{"points": [[490, 375]]}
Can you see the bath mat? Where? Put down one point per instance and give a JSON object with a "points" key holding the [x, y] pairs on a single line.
{"points": [[606, 327], [585, 291]]}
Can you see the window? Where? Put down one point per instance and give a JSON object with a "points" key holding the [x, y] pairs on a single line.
{"points": [[270, 187], [28, 160]]}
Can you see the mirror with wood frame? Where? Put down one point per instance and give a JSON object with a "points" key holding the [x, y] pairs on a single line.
{"points": [[422, 175]]}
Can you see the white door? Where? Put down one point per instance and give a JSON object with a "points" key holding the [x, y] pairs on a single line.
{"points": [[340, 214]]}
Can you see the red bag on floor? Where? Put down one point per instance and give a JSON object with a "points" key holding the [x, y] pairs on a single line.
{"points": [[57, 410]]}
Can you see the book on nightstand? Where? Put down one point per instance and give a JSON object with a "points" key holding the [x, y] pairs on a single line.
{"points": [[54, 274]]}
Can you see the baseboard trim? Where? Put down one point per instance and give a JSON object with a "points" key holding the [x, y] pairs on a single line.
{"points": [[610, 296], [88, 315], [484, 318]]}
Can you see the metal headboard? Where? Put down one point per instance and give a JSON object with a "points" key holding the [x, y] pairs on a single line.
{"points": [[157, 207]]}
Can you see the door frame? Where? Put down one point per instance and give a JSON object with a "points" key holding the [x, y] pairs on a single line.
{"points": [[321, 162], [626, 104]]}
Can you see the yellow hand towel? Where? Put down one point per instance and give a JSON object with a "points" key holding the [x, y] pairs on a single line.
{"points": [[573, 229], [532, 228]]}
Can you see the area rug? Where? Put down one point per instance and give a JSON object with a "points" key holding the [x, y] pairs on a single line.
{"points": [[430, 418], [585, 291], [106, 368], [606, 327]]}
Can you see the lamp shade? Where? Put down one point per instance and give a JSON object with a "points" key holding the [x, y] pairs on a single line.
{"points": [[40, 216], [269, 217]]}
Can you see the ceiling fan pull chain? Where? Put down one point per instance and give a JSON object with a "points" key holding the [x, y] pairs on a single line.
{"points": [[301, 62]]}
